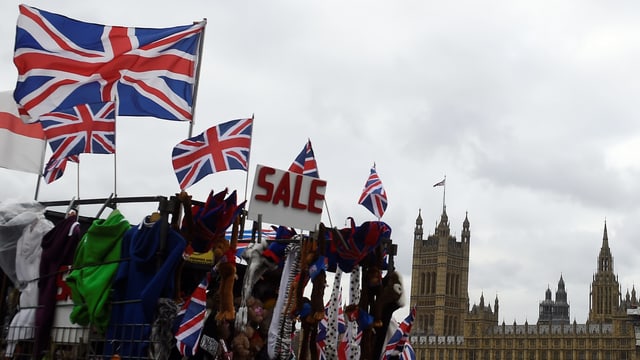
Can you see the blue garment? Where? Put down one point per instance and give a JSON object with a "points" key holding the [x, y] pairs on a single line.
{"points": [[139, 283]]}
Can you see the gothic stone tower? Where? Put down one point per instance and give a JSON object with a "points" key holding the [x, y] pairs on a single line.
{"points": [[555, 312], [440, 276], [604, 303]]}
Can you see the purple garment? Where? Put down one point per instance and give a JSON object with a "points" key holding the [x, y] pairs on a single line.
{"points": [[58, 248]]}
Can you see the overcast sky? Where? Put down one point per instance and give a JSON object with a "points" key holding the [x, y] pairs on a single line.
{"points": [[528, 107]]}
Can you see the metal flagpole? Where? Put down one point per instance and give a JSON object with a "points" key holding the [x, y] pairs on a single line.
{"points": [[444, 192], [115, 151], [197, 79], [44, 149], [78, 179], [246, 179]]}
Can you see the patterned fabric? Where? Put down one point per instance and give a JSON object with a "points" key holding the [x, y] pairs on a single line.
{"points": [[281, 327], [335, 317], [193, 316], [398, 344], [373, 197], [55, 167], [64, 62], [220, 148], [353, 335], [305, 163]]}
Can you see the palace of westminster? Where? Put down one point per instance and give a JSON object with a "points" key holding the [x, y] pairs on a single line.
{"points": [[446, 328]]}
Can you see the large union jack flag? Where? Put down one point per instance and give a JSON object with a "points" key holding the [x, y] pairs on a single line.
{"points": [[373, 197], [64, 62], [305, 163], [87, 128], [220, 148], [398, 346]]}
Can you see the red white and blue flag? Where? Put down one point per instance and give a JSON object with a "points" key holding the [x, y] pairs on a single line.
{"points": [[220, 148], [373, 197], [398, 346], [56, 166], [194, 315], [64, 62], [305, 163], [86, 128]]}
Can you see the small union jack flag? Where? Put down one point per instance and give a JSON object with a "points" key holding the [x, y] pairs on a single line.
{"points": [[398, 346], [64, 62], [220, 148], [193, 317], [56, 166], [373, 197], [87, 128], [305, 163]]}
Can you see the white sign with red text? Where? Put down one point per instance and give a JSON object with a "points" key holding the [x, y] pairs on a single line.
{"points": [[287, 198]]}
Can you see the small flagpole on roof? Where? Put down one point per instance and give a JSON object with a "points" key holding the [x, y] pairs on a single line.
{"points": [[197, 79], [444, 192]]}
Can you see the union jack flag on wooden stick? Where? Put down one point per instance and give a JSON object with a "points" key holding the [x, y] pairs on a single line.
{"points": [[373, 197], [220, 148], [64, 62], [305, 163]]}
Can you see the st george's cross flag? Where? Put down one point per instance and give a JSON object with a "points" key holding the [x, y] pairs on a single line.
{"points": [[22, 145], [63, 62], [222, 147], [374, 197], [193, 316], [305, 163]]}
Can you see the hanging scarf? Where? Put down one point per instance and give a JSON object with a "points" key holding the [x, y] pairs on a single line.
{"points": [[279, 341]]}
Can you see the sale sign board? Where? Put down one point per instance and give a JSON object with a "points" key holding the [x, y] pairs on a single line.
{"points": [[287, 198]]}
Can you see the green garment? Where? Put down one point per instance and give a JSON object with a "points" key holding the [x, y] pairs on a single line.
{"points": [[94, 266]]}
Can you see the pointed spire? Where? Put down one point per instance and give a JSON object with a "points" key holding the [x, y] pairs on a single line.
{"points": [[605, 237], [418, 232]]}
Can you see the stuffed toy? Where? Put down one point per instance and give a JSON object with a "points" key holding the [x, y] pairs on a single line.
{"points": [[257, 265], [309, 332], [226, 268], [391, 299]]}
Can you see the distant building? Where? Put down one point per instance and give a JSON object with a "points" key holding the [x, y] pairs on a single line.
{"points": [[447, 328], [554, 312]]}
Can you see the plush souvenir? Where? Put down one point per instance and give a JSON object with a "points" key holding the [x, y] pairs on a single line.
{"points": [[391, 299], [241, 347], [309, 332], [226, 268], [257, 265]]}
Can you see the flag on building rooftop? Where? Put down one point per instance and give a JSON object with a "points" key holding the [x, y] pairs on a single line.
{"points": [[22, 145], [305, 163], [64, 62], [374, 197], [222, 147]]}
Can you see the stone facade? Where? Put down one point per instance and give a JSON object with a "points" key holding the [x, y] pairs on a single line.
{"points": [[446, 328]]}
